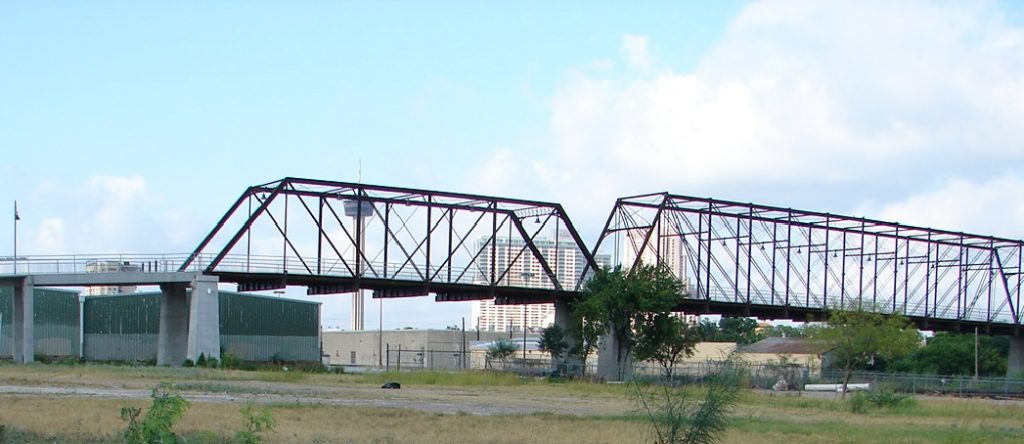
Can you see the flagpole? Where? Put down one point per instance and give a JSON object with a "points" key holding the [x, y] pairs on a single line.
{"points": [[16, 219]]}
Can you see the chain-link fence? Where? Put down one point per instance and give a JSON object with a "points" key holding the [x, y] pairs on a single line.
{"points": [[790, 377], [796, 377]]}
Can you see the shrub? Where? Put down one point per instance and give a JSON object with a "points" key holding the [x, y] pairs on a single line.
{"points": [[167, 408], [676, 419], [256, 422]]}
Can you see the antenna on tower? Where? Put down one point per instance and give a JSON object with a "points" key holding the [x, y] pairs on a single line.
{"points": [[360, 180]]}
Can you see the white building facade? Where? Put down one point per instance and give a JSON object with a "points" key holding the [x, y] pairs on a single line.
{"points": [[524, 270]]}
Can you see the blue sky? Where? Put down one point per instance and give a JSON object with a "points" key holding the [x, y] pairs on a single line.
{"points": [[131, 127]]}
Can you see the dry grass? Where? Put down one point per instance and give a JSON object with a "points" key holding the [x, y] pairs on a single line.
{"points": [[69, 420], [600, 413]]}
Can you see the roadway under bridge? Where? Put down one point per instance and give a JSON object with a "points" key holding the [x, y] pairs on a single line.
{"points": [[734, 258]]}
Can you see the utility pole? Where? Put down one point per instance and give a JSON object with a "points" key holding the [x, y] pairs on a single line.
{"points": [[524, 334], [975, 353]]}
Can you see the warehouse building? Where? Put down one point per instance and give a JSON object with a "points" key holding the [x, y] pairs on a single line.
{"points": [[55, 322], [252, 327]]}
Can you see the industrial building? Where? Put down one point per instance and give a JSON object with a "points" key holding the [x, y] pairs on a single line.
{"points": [[252, 327], [408, 349], [126, 327], [56, 315]]}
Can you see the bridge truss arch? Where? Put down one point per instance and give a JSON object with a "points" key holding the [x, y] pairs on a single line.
{"points": [[336, 237], [775, 262]]}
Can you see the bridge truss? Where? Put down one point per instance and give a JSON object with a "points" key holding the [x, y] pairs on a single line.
{"points": [[778, 262], [336, 237]]}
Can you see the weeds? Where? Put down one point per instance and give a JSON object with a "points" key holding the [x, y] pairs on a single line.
{"points": [[166, 410], [256, 423], [677, 419], [880, 398]]}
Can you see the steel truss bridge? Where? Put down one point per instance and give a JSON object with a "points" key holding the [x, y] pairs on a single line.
{"points": [[772, 262], [734, 258], [337, 237]]}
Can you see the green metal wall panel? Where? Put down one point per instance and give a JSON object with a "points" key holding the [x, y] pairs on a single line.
{"points": [[252, 327], [55, 322], [121, 327], [6, 324], [261, 328], [122, 314], [246, 314]]}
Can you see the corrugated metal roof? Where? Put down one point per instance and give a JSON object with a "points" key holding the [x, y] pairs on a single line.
{"points": [[786, 346]]}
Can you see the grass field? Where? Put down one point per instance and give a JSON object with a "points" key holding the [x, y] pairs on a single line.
{"points": [[449, 408]]}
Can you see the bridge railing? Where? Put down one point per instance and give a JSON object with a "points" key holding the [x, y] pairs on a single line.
{"points": [[818, 301], [91, 263], [257, 264]]}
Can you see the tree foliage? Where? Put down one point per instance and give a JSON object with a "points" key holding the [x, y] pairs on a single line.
{"points": [[953, 354], [731, 329], [552, 341], [619, 303], [665, 339], [502, 349], [857, 338]]}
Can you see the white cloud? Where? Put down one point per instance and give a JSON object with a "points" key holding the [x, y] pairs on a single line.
{"points": [[796, 92], [635, 47], [994, 207], [818, 91], [50, 236], [104, 215]]}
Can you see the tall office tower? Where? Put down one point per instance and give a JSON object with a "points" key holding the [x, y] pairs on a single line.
{"points": [[565, 259]]}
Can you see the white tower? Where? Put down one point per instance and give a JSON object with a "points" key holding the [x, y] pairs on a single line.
{"points": [[359, 211]]}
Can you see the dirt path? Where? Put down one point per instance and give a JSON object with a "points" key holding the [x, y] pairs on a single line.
{"points": [[434, 400]]}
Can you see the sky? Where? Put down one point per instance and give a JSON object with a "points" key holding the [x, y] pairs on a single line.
{"points": [[131, 127]]}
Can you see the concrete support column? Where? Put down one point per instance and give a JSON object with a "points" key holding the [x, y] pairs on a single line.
{"points": [[566, 364], [608, 366], [204, 319], [1015, 364], [172, 341], [24, 335]]}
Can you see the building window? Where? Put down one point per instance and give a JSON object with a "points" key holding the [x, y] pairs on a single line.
{"points": [[352, 357]]}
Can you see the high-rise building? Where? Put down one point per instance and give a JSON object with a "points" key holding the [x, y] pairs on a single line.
{"points": [[565, 259], [669, 248]]}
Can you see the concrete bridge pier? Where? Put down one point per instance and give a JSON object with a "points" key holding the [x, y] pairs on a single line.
{"points": [[1015, 364], [24, 336], [608, 365], [566, 364], [189, 322]]}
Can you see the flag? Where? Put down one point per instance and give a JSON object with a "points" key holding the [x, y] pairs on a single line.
{"points": [[16, 216]]}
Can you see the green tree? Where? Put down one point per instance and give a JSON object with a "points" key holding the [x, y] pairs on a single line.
{"points": [[953, 354], [586, 328], [552, 341], [731, 329], [857, 338], [665, 339], [617, 302], [501, 350]]}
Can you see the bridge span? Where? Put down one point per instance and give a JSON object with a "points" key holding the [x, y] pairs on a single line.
{"points": [[734, 258]]}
